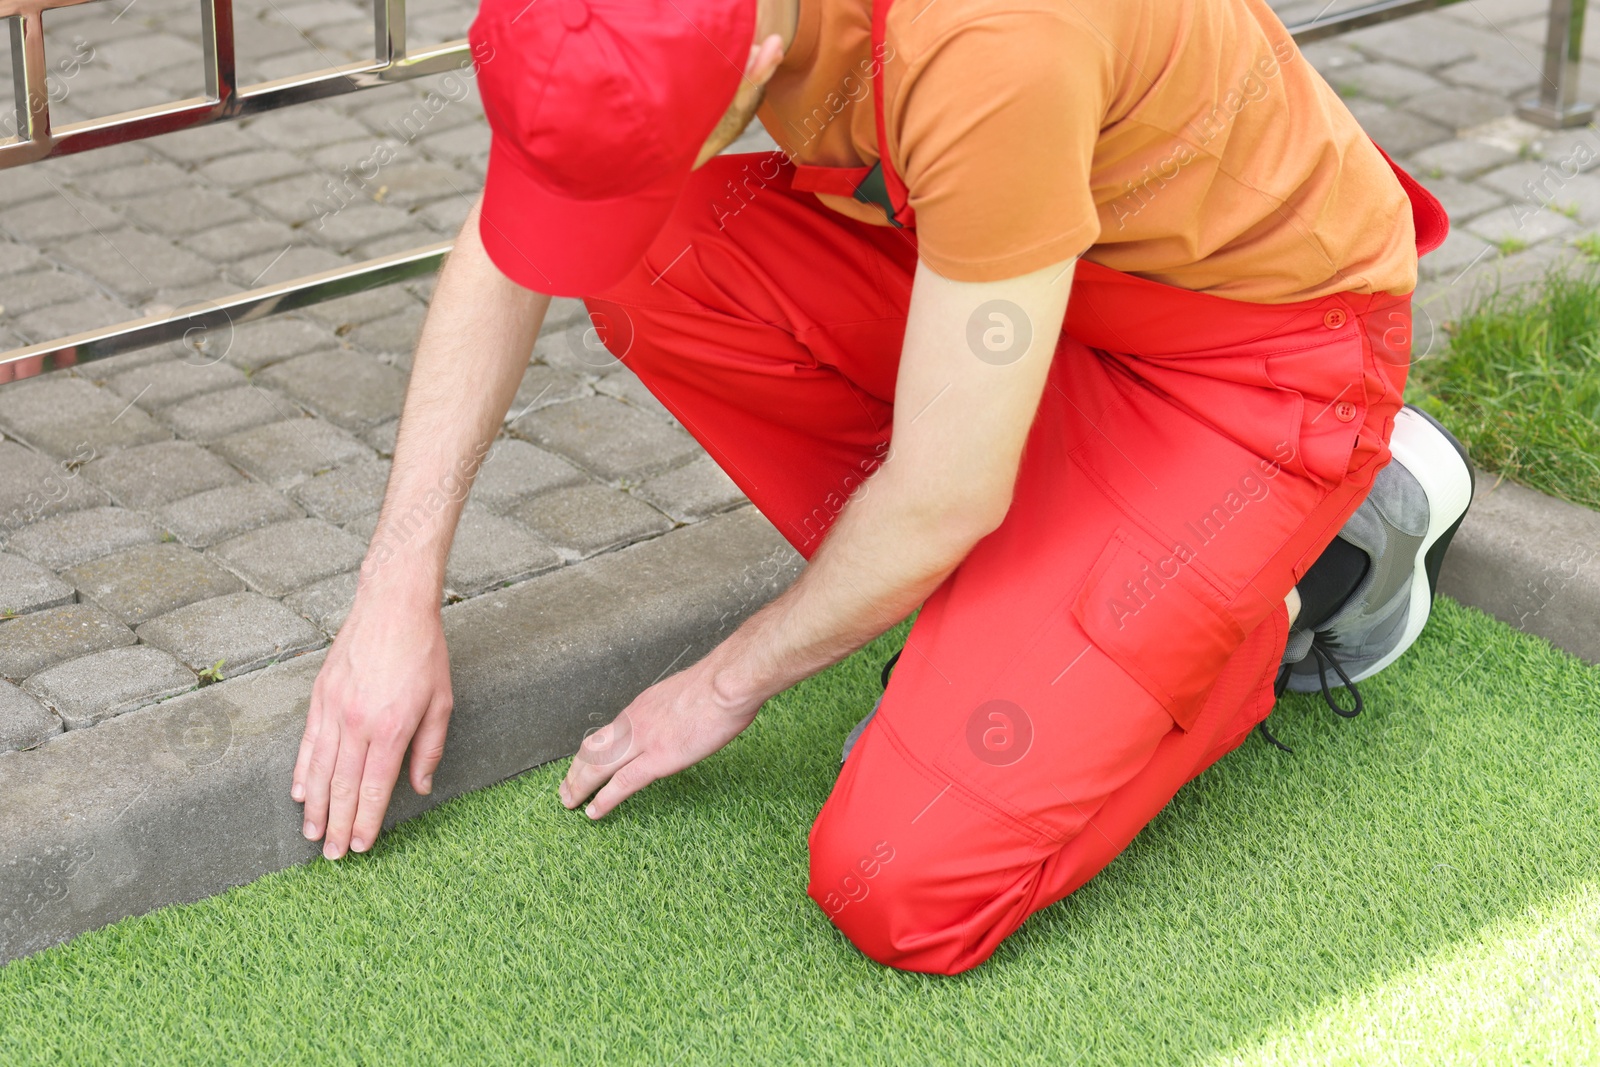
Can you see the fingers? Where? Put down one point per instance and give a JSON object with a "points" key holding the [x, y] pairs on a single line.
{"points": [[308, 742], [628, 780], [602, 754], [378, 776], [319, 773], [344, 793], [427, 748]]}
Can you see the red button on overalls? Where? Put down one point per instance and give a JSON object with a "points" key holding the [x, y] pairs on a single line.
{"points": [[1333, 319]]}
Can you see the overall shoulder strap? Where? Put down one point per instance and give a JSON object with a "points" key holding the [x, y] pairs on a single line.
{"points": [[882, 185], [878, 184]]}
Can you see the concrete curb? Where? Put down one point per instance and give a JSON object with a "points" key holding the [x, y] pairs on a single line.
{"points": [[184, 799], [1531, 561]]}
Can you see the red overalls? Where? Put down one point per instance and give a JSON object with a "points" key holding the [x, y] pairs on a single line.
{"points": [[1120, 631]]}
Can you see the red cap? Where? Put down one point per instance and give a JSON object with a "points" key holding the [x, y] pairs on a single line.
{"points": [[598, 109]]}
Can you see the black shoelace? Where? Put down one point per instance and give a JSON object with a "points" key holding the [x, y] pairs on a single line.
{"points": [[1325, 659]]}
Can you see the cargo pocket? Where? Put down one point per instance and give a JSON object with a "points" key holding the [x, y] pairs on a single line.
{"points": [[1159, 621]]}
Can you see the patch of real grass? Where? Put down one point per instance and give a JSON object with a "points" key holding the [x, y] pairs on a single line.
{"points": [[1520, 383], [1417, 885]]}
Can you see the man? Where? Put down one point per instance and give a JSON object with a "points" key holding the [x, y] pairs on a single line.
{"points": [[1115, 511]]}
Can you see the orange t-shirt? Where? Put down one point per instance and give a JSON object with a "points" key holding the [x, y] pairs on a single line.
{"points": [[1185, 141]]}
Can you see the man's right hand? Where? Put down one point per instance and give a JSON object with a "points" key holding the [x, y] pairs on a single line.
{"points": [[386, 682], [385, 686]]}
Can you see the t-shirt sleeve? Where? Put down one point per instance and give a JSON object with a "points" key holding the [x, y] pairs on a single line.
{"points": [[993, 128]]}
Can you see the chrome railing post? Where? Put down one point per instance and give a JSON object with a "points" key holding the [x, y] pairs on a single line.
{"points": [[389, 30], [216, 37], [30, 76], [1557, 105]]}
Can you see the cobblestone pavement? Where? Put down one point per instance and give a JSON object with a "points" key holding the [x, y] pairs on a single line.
{"points": [[173, 509]]}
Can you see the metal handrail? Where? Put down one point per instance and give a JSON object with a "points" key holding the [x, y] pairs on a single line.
{"points": [[1557, 107]]}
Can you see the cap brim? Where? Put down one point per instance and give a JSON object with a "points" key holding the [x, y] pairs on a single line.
{"points": [[560, 246]]}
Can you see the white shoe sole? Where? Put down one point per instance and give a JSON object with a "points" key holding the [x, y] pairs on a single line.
{"points": [[1447, 480]]}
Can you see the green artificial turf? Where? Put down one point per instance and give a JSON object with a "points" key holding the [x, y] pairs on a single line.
{"points": [[1418, 885], [1520, 383]]}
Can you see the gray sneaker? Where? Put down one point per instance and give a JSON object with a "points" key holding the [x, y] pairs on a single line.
{"points": [[1404, 526]]}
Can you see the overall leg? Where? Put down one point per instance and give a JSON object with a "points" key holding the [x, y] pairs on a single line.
{"points": [[1115, 636]]}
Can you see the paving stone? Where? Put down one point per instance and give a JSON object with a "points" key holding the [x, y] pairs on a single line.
{"points": [[214, 416], [247, 169], [141, 583], [79, 536], [578, 348], [71, 419], [15, 259], [1399, 132], [696, 490], [1523, 222], [542, 386], [275, 268], [152, 475], [1460, 108], [261, 344], [1510, 76], [28, 292], [1389, 82], [301, 198], [585, 519], [181, 211], [470, 141], [327, 603], [33, 487], [282, 454], [411, 184], [277, 560], [103, 685], [207, 142], [1460, 250], [1462, 200], [1462, 160], [30, 643], [133, 264], [1416, 42], [25, 586], [382, 437], [344, 494], [490, 551], [347, 388], [1570, 150], [158, 385], [42, 222], [24, 722], [353, 310], [447, 214], [121, 183], [607, 437], [249, 237], [1543, 182], [71, 319], [244, 630], [27, 183], [305, 126], [148, 53], [394, 336], [515, 470], [625, 385], [209, 518], [357, 224]]}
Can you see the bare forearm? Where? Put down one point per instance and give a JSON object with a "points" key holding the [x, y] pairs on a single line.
{"points": [[469, 361], [890, 548]]}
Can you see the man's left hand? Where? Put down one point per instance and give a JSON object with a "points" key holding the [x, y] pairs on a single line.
{"points": [[672, 725]]}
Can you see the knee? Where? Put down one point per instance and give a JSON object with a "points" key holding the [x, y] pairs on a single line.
{"points": [[885, 902]]}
